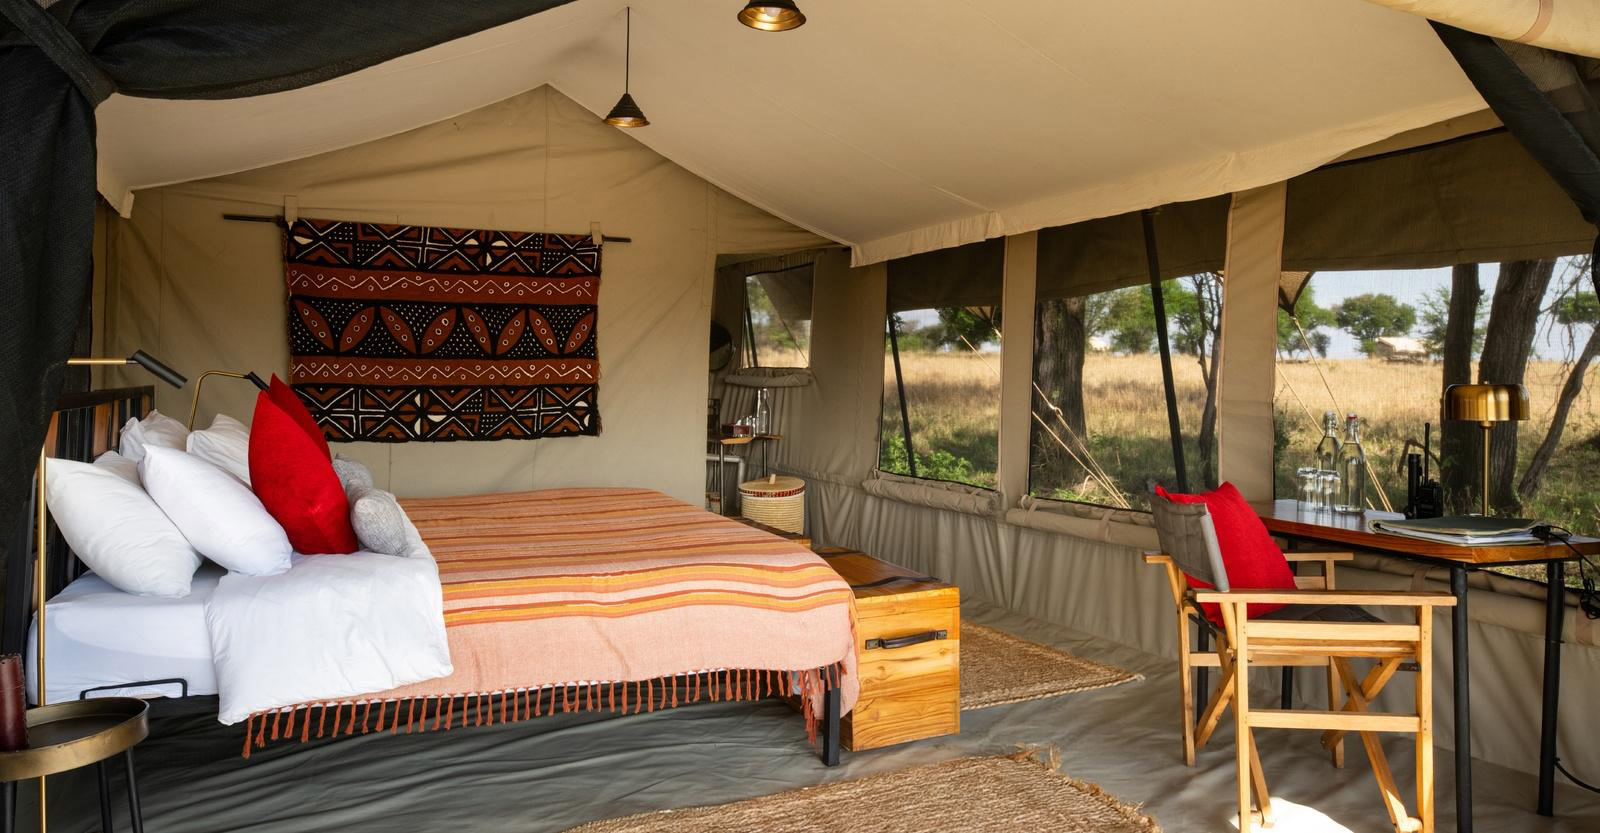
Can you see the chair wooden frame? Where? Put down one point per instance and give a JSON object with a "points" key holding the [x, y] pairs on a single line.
{"points": [[1246, 643]]}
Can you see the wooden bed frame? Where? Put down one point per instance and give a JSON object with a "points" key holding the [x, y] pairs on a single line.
{"points": [[89, 424]]}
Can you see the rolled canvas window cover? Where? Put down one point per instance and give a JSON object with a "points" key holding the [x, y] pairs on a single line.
{"points": [[421, 333]]}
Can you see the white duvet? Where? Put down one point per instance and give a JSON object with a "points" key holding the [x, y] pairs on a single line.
{"points": [[333, 627]]}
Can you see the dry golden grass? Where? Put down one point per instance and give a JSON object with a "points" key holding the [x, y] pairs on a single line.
{"points": [[954, 402]]}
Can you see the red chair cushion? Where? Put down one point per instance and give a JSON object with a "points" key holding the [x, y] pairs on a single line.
{"points": [[295, 481], [1253, 562], [289, 401]]}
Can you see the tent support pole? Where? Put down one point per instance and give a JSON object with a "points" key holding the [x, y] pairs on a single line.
{"points": [[1156, 298], [277, 220], [900, 386]]}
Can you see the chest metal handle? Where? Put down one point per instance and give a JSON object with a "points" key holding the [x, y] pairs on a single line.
{"points": [[904, 641]]}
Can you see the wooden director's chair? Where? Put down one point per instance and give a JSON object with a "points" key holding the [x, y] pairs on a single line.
{"points": [[1318, 626]]}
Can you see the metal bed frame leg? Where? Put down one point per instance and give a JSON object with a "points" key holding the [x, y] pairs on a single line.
{"points": [[106, 825], [831, 735], [133, 793]]}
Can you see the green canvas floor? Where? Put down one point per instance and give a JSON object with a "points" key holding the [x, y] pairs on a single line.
{"points": [[549, 774]]}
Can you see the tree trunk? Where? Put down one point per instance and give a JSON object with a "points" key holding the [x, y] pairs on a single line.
{"points": [[1552, 438], [1458, 441], [1208, 418], [1507, 343], [1060, 342]]}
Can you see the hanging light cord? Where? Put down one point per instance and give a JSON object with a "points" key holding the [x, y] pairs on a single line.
{"points": [[627, 49]]}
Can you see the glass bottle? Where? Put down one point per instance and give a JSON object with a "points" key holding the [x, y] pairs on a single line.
{"points": [[1352, 470], [763, 414], [1328, 449]]}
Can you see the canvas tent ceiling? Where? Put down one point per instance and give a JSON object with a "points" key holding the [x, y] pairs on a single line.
{"points": [[864, 125]]}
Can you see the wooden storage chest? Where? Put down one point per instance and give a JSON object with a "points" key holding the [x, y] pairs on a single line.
{"points": [[909, 649]]}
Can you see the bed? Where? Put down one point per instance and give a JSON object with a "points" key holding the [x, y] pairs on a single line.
{"points": [[607, 599]]}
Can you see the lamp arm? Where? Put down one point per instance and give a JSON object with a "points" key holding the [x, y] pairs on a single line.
{"points": [[194, 405]]}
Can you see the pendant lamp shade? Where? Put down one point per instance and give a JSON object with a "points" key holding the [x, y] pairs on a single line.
{"points": [[626, 112], [772, 15]]}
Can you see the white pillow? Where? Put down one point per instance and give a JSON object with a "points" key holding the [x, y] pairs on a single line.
{"points": [[156, 429], [117, 530], [220, 516], [382, 526], [226, 445], [120, 466]]}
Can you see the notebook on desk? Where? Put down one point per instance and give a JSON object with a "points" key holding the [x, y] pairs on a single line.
{"points": [[1462, 530]]}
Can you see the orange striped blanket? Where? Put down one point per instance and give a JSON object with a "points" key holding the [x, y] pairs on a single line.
{"points": [[612, 599]]}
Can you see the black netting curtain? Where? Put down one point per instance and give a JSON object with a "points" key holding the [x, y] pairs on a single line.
{"points": [[1547, 101], [57, 63]]}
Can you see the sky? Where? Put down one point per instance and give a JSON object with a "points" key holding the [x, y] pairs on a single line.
{"points": [[1410, 286]]}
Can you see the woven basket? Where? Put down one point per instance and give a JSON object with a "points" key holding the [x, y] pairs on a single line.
{"points": [[775, 501]]}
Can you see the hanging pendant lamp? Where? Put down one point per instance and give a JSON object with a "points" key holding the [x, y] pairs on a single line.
{"points": [[772, 15], [626, 112]]}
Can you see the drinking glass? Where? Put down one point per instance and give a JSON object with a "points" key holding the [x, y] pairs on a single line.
{"points": [[1328, 490], [1306, 485]]}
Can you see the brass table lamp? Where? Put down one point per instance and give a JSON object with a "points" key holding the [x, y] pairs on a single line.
{"points": [[1486, 404]]}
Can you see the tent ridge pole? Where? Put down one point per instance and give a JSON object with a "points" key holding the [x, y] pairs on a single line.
{"points": [[277, 220], [1159, 302]]}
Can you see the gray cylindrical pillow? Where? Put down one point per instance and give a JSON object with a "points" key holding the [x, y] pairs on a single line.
{"points": [[354, 476], [382, 526]]}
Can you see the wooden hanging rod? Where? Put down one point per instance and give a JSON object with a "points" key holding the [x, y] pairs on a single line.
{"points": [[277, 220]]}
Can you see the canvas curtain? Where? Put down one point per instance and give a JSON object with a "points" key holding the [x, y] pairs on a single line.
{"points": [[61, 61]]}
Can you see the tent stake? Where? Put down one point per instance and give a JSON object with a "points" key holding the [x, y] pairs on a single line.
{"points": [[900, 385], [1160, 303], [277, 220]]}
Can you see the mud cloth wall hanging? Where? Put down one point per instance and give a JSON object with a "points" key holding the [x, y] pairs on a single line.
{"points": [[420, 333]]}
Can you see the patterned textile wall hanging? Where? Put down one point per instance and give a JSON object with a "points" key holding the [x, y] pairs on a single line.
{"points": [[402, 333]]}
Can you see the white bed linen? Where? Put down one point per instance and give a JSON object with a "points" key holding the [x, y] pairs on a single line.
{"points": [[97, 635], [334, 627]]}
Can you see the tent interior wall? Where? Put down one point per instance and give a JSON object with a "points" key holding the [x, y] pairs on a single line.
{"points": [[175, 278]]}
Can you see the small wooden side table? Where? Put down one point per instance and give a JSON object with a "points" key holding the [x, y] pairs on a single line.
{"points": [[66, 736]]}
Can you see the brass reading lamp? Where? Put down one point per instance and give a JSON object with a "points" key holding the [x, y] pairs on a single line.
{"points": [[165, 374], [194, 406], [1486, 404]]}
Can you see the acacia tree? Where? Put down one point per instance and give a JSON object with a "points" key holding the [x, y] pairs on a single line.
{"points": [[1576, 307], [1312, 319], [1459, 449], [1371, 316], [1196, 313], [1507, 344]]}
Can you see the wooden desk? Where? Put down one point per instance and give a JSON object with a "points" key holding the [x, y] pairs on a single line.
{"points": [[1283, 518]]}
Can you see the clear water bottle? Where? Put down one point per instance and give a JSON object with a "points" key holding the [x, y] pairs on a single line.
{"points": [[1328, 449], [1352, 471], [763, 414]]}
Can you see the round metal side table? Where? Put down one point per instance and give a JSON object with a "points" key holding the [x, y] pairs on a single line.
{"points": [[66, 736]]}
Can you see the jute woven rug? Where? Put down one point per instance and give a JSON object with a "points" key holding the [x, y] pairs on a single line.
{"points": [[970, 795], [998, 668]]}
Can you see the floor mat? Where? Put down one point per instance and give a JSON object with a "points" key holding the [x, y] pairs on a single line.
{"points": [[968, 795], [998, 668]]}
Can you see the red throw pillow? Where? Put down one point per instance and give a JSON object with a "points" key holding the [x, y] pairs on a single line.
{"points": [[295, 481], [289, 401], [1253, 562]]}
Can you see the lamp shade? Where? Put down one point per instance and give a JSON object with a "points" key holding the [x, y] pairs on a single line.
{"points": [[771, 15], [626, 113], [1486, 403]]}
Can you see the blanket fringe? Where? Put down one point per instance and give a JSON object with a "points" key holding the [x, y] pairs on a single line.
{"points": [[515, 705]]}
